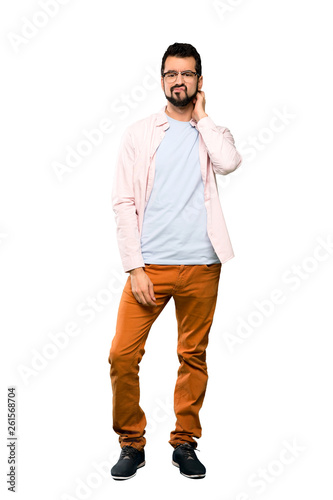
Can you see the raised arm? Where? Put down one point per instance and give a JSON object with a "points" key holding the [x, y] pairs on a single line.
{"points": [[220, 146]]}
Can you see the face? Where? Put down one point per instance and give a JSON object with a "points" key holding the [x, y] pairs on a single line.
{"points": [[179, 93]]}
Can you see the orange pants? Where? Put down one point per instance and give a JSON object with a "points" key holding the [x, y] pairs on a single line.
{"points": [[194, 290]]}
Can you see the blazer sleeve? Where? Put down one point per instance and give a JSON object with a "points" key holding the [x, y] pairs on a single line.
{"points": [[123, 204], [220, 146]]}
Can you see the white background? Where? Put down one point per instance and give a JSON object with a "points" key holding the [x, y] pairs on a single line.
{"points": [[270, 383]]}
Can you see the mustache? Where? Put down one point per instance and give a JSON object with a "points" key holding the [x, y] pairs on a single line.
{"points": [[178, 87]]}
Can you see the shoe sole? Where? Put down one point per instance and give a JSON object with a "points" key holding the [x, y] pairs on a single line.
{"points": [[122, 478], [196, 476]]}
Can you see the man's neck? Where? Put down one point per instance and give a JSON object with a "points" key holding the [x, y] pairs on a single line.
{"points": [[180, 114]]}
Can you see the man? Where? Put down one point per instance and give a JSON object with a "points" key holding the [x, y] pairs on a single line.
{"points": [[173, 241]]}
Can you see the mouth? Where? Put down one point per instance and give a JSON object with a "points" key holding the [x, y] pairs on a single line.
{"points": [[178, 89]]}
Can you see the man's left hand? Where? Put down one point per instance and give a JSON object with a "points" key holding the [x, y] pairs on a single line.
{"points": [[199, 102]]}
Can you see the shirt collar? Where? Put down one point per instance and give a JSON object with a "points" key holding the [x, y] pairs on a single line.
{"points": [[162, 118]]}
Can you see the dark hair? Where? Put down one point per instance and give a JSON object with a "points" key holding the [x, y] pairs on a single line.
{"points": [[183, 50]]}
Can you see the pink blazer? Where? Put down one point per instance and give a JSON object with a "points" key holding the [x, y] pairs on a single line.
{"points": [[134, 178]]}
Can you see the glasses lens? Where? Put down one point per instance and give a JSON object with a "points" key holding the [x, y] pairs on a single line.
{"points": [[171, 77], [187, 76]]}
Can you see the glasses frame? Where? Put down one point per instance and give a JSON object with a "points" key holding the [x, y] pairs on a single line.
{"points": [[179, 72]]}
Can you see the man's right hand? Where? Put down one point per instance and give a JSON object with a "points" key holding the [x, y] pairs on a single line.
{"points": [[142, 287]]}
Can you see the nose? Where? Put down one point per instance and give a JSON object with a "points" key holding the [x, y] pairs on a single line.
{"points": [[179, 78]]}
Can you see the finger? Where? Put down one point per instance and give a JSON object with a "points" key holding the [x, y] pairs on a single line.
{"points": [[140, 298], [148, 300], [151, 291], [137, 298], [144, 298]]}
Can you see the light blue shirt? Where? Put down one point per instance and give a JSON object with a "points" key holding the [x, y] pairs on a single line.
{"points": [[174, 229]]}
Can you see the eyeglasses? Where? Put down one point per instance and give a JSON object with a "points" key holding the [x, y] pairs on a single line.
{"points": [[171, 76]]}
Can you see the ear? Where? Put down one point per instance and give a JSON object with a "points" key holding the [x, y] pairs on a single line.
{"points": [[162, 83], [200, 82]]}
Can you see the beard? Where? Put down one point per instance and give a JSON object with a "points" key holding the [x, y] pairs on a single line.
{"points": [[178, 101]]}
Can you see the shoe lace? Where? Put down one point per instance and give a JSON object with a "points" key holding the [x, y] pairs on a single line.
{"points": [[189, 451], [128, 452]]}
